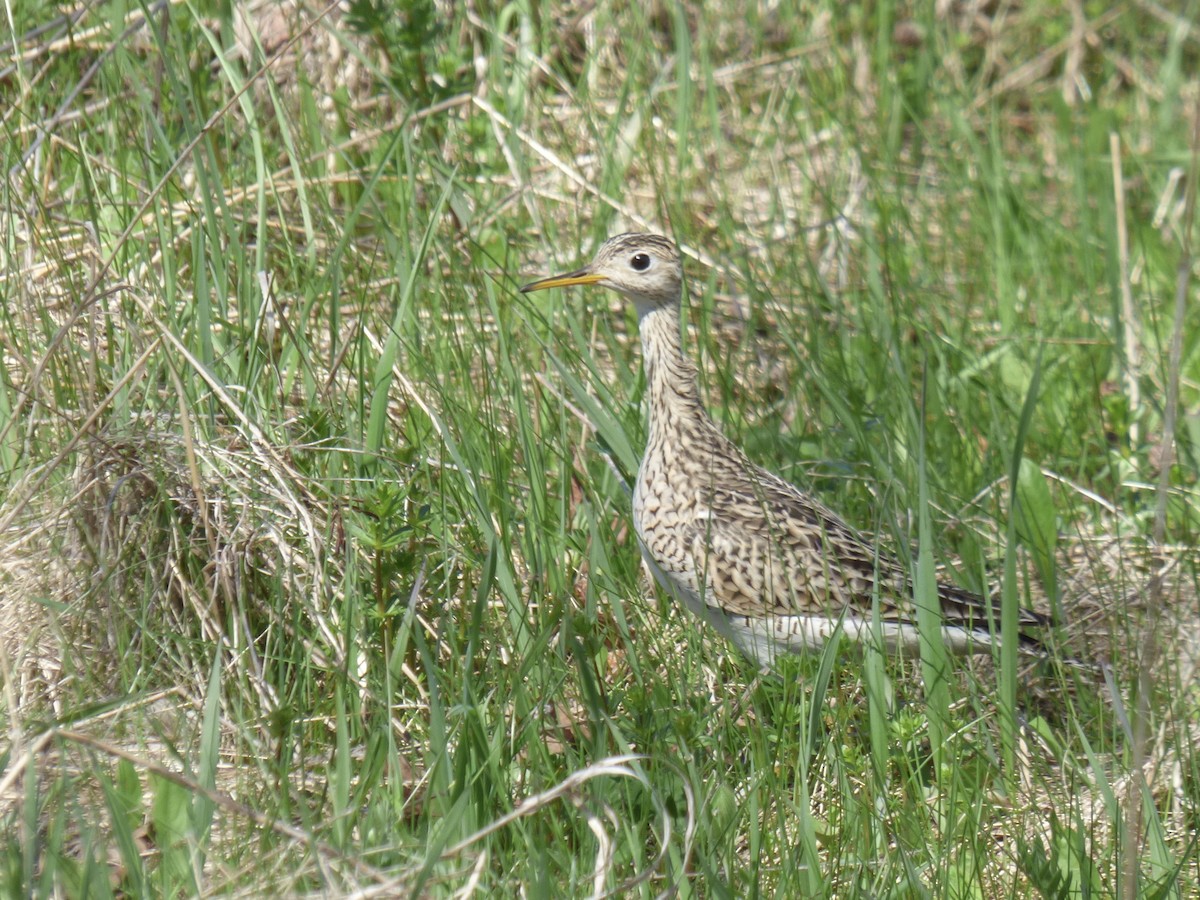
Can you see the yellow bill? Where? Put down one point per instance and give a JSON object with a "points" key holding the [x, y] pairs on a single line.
{"points": [[582, 276]]}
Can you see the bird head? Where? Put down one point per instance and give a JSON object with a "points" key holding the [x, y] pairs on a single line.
{"points": [[644, 267]]}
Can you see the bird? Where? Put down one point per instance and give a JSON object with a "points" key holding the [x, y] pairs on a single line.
{"points": [[768, 566]]}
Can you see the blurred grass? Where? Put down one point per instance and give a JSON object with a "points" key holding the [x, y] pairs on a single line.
{"points": [[304, 506]]}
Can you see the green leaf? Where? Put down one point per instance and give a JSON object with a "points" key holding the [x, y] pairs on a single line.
{"points": [[171, 815], [1037, 521], [124, 800]]}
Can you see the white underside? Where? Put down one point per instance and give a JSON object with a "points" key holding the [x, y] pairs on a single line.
{"points": [[763, 638]]}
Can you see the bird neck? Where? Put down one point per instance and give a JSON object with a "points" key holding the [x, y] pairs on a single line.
{"points": [[670, 376]]}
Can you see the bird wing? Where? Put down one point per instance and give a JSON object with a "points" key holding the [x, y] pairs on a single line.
{"points": [[764, 548]]}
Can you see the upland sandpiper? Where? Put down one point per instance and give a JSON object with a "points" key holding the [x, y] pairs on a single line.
{"points": [[768, 566]]}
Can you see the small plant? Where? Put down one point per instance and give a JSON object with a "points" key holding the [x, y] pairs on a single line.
{"points": [[386, 530], [411, 36]]}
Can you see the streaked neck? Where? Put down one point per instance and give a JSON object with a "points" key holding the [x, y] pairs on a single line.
{"points": [[670, 376]]}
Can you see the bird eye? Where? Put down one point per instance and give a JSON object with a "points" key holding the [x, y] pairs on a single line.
{"points": [[640, 261]]}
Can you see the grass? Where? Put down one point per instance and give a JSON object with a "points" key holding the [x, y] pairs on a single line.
{"points": [[316, 569]]}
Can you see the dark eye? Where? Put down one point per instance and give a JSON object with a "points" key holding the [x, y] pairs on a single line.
{"points": [[640, 261]]}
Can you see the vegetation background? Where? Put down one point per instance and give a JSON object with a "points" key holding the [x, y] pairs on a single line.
{"points": [[316, 575]]}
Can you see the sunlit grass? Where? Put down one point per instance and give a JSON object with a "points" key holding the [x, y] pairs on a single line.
{"points": [[317, 569]]}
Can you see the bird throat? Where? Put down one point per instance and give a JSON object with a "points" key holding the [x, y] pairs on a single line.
{"points": [[671, 391]]}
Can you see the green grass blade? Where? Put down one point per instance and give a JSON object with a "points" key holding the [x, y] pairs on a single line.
{"points": [[1010, 603], [935, 662]]}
